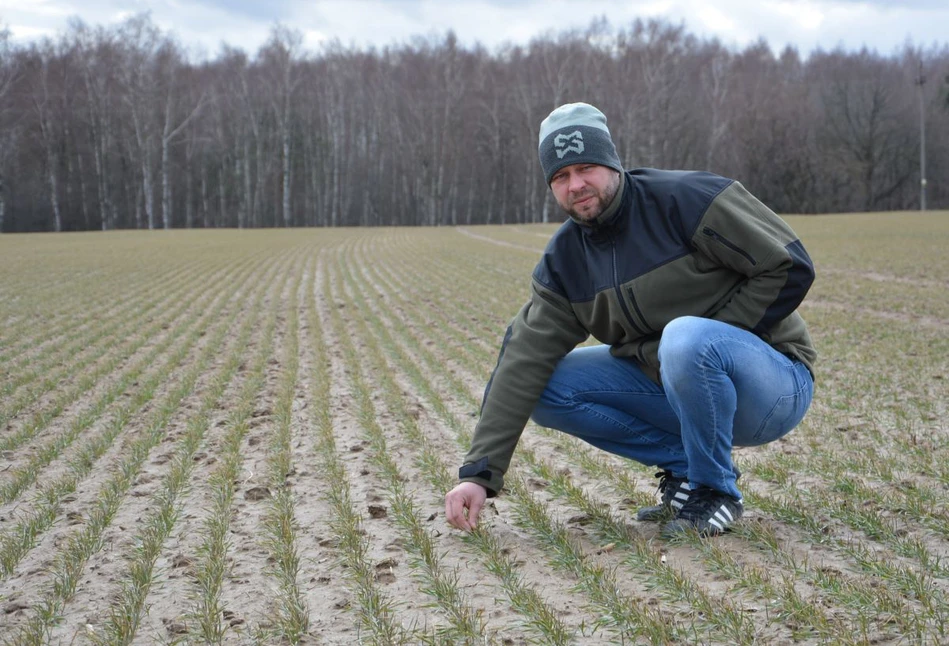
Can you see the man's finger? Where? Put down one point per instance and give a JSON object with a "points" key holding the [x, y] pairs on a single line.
{"points": [[450, 510], [473, 512], [455, 511]]}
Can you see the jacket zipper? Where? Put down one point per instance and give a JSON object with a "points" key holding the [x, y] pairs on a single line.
{"points": [[619, 292], [639, 312], [728, 243]]}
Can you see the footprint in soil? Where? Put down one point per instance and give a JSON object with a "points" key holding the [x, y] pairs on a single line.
{"points": [[15, 607], [257, 493], [175, 627], [384, 573], [232, 619]]}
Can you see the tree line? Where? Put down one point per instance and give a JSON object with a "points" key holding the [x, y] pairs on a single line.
{"points": [[117, 127]]}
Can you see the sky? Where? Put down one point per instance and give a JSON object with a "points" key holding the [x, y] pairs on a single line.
{"points": [[203, 25]]}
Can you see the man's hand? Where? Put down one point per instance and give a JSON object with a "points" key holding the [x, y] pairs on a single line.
{"points": [[468, 496]]}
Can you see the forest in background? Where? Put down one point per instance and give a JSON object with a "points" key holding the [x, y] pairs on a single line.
{"points": [[120, 127]]}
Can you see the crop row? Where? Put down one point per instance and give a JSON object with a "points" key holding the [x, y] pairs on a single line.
{"points": [[254, 447], [913, 578]]}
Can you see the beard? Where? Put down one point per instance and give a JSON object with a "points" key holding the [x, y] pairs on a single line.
{"points": [[589, 204]]}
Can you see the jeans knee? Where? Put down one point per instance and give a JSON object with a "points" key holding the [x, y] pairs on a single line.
{"points": [[681, 339], [547, 414]]}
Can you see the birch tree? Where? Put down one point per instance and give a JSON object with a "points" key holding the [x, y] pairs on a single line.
{"points": [[113, 126], [280, 58], [9, 128], [179, 111], [45, 93], [141, 87]]}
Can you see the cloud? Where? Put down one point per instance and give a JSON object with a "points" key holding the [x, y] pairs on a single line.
{"points": [[268, 12], [44, 8], [29, 33], [805, 24]]}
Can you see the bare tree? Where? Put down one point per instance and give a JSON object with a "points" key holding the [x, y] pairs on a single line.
{"points": [[865, 127], [715, 78], [280, 58], [175, 121], [113, 127], [141, 42], [47, 92], [96, 55], [9, 128]]}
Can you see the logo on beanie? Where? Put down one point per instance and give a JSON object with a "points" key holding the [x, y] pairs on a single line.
{"points": [[568, 143]]}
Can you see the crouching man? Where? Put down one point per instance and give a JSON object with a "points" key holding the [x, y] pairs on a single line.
{"points": [[692, 285]]}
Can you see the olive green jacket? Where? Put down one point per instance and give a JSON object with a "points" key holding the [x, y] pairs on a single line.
{"points": [[672, 243]]}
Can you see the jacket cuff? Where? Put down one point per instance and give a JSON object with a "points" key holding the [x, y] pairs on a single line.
{"points": [[480, 473]]}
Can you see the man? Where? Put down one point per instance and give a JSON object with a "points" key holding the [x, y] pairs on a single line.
{"points": [[692, 285]]}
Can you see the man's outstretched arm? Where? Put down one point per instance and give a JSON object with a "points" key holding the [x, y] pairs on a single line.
{"points": [[539, 337]]}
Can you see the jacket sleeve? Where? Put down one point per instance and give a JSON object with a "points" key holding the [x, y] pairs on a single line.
{"points": [[541, 334], [742, 234]]}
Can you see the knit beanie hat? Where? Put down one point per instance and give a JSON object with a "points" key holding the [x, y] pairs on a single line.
{"points": [[576, 133]]}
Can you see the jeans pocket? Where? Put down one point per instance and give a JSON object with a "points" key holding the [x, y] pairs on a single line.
{"points": [[787, 413]]}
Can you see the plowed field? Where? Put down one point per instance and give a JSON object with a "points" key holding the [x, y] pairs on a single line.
{"points": [[246, 436]]}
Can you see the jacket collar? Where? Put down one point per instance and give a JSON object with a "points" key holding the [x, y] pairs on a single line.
{"points": [[613, 218]]}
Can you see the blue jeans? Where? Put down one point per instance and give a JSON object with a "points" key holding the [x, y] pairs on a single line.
{"points": [[721, 387]]}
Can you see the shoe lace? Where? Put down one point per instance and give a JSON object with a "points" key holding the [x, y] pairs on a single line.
{"points": [[665, 479], [702, 502]]}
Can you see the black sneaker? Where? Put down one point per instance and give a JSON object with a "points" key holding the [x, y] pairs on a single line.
{"points": [[707, 512], [675, 493]]}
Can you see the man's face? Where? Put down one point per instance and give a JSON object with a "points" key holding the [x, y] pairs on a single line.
{"points": [[585, 190]]}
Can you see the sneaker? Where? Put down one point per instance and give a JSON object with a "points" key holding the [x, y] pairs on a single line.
{"points": [[675, 493], [707, 512]]}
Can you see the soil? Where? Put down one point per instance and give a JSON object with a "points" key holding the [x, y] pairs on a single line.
{"points": [[445, 326]]}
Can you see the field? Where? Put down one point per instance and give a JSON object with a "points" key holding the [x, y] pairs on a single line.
{"points": [[246, 436]]}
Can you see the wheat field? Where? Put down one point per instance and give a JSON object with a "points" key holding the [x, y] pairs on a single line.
{"points": [[234, 437]]}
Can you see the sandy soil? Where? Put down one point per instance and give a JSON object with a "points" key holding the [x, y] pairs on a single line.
{"points": [[434, 335]]}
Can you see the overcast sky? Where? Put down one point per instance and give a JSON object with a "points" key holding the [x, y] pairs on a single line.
{"points": [[202, 25]]}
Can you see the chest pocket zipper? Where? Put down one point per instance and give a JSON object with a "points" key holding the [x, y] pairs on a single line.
{"points": [[715, 235], [639, 313]]}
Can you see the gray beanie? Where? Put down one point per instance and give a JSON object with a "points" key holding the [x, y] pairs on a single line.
{"points": [[576, 133]]}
